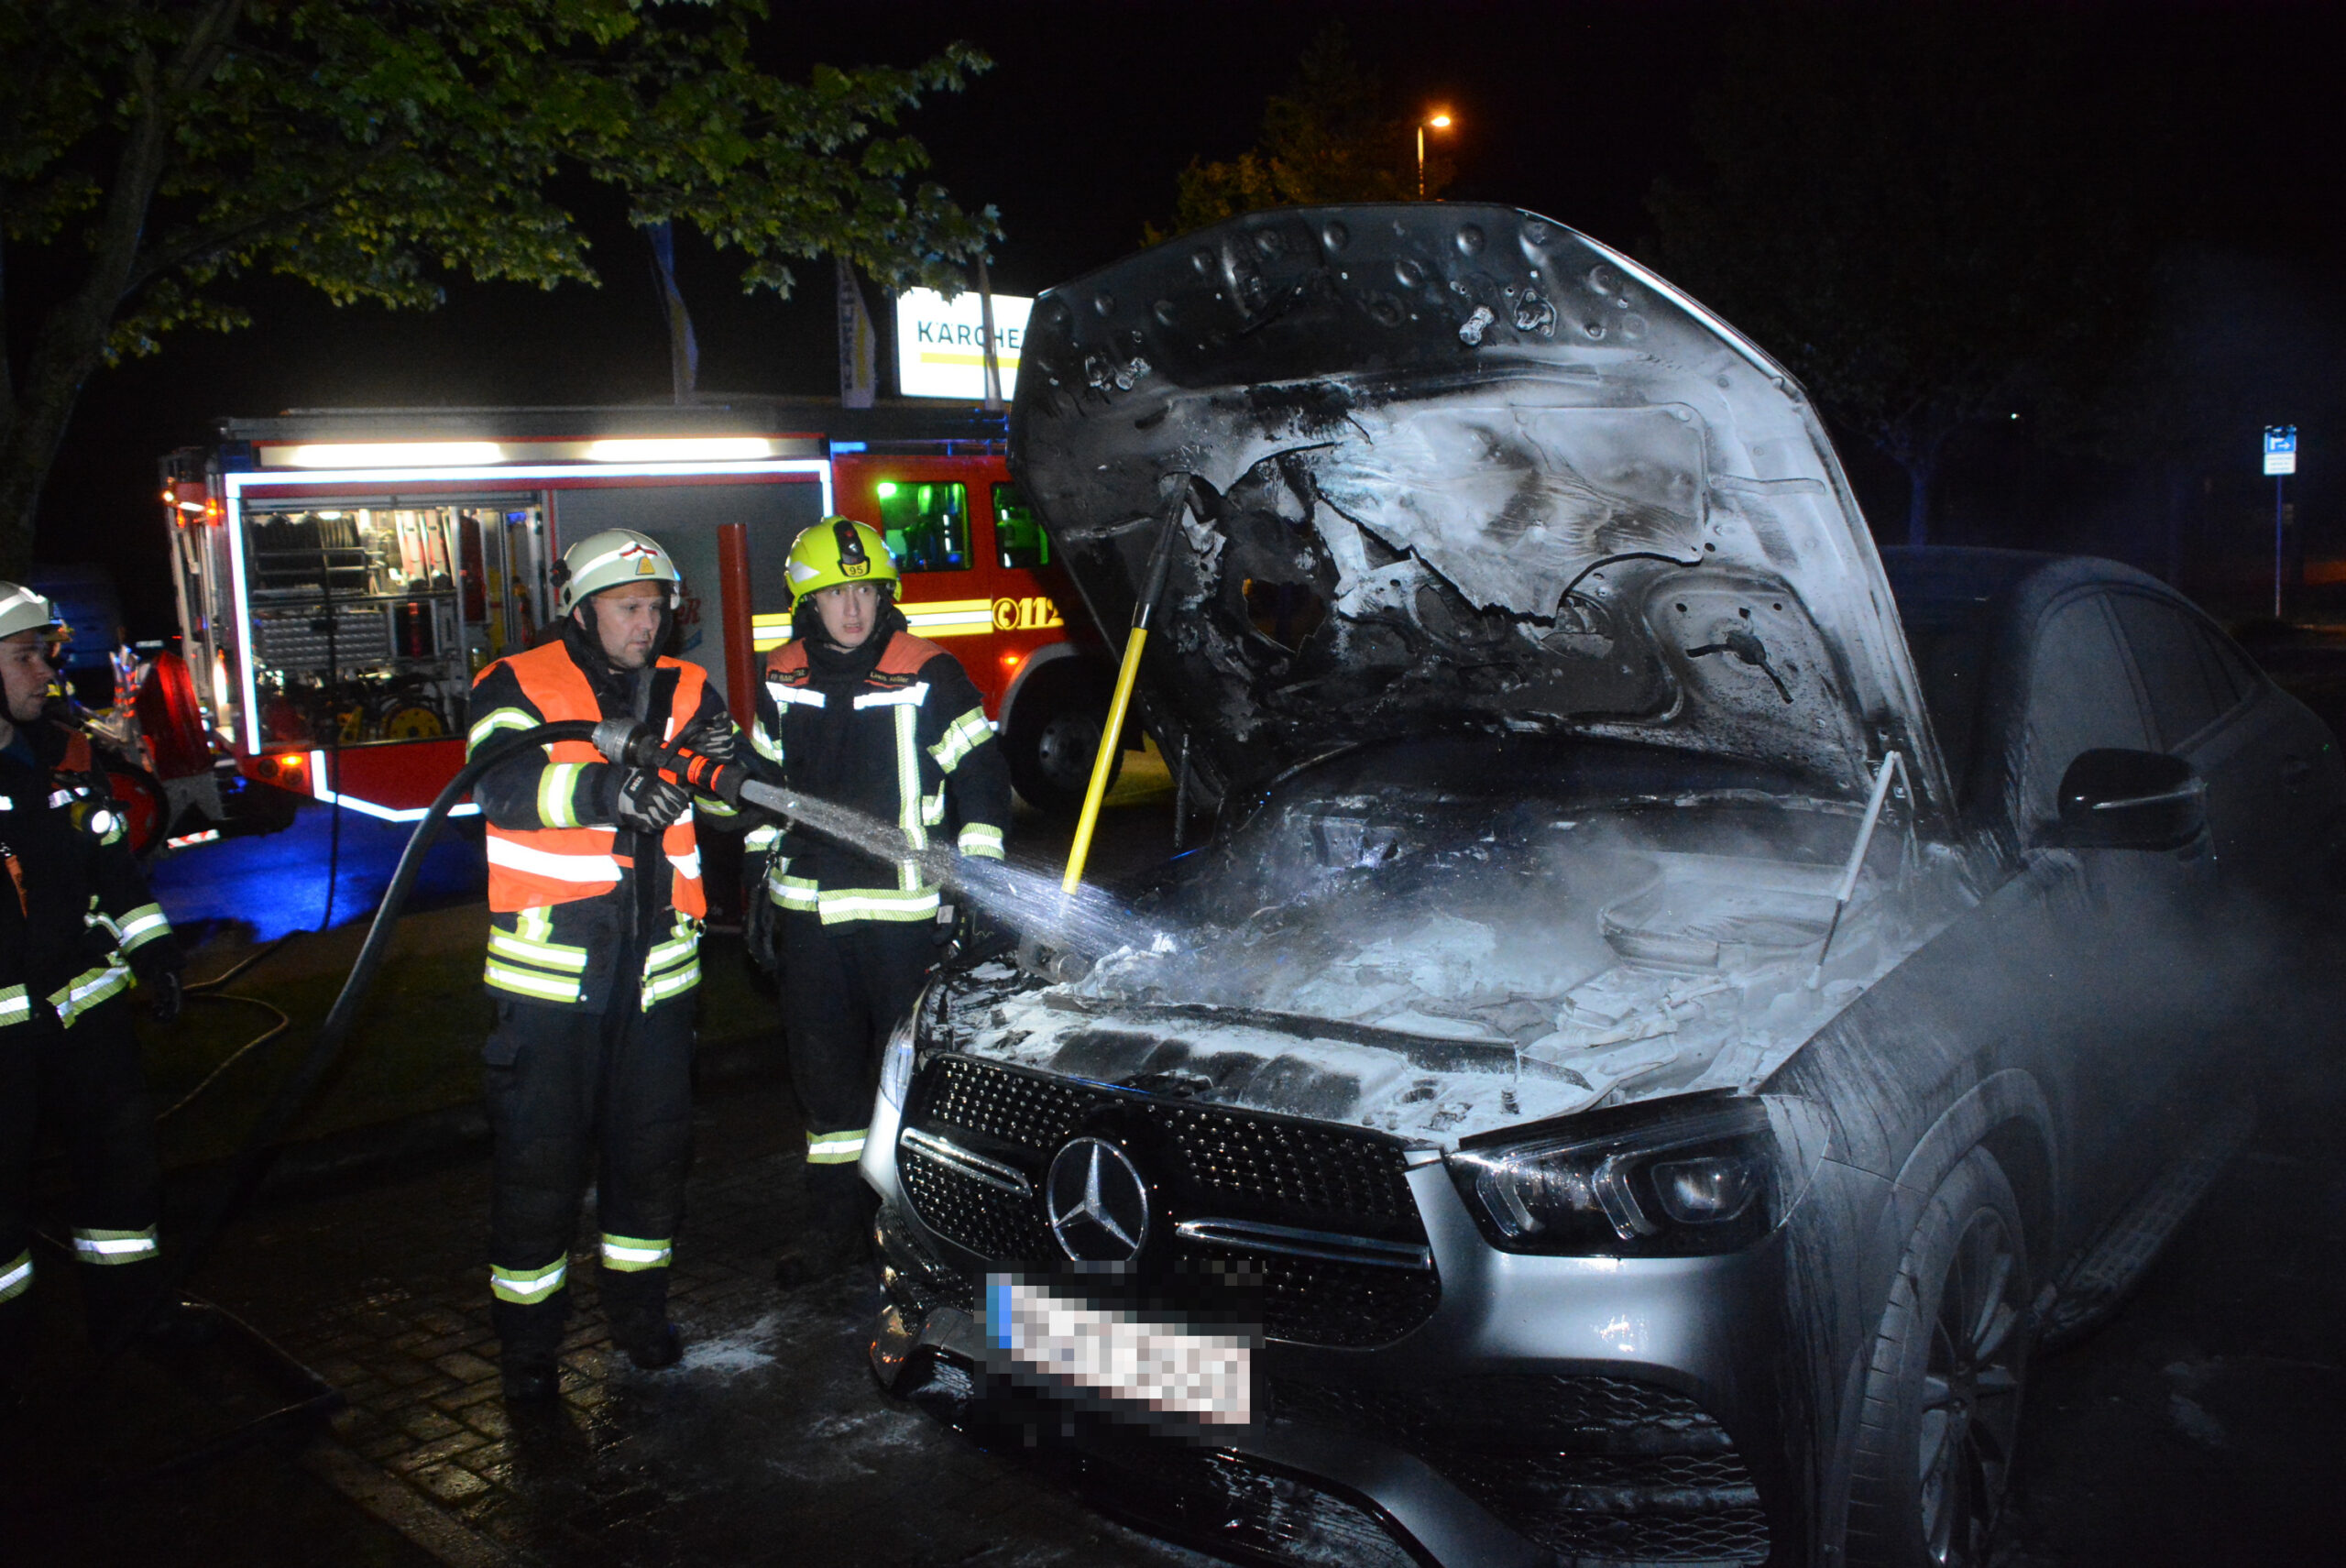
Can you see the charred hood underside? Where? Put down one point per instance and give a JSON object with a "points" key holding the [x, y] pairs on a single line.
{"points": [[1428, 466]]}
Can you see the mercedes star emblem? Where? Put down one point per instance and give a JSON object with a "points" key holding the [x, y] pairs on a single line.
{"points": [[1097, 1202]]}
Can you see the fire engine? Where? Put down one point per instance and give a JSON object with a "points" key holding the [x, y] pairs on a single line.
{"points": [[343, 574]]}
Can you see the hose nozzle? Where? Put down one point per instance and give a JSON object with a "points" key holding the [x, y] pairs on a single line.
{"points": [[635, 745]]}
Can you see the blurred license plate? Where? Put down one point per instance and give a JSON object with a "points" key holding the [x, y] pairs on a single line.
{"points": [[1120, 1353]]}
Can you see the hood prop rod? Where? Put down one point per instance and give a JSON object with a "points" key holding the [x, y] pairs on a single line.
{"points": [[1892, 762], [1160, 560]]}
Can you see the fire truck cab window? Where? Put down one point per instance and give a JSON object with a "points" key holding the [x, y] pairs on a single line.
{"points": [[1016, 533], [926, 525]]}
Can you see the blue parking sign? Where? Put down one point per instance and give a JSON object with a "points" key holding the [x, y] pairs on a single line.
{"points": [[2280, 448]]}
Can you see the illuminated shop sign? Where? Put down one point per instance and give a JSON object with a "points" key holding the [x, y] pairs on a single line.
{"points": [[940, 344]]}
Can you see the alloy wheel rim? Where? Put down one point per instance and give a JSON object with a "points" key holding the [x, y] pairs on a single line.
{"points": [[1971, 1394]]}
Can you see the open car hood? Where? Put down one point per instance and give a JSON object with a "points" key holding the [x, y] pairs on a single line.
{"points": [[1436, 465]]}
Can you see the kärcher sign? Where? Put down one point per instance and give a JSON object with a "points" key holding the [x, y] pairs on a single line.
{"points": [[940, 344]]}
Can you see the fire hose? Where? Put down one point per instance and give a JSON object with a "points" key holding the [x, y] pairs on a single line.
{"points": [[623, 741]]}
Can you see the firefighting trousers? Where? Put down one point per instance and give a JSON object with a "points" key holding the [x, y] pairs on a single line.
{"points": [[574, 1097], [86, 1082], [844, 987]]}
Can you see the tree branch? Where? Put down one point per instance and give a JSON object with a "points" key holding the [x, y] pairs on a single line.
{"points": [[73, 340], [222, 238]]}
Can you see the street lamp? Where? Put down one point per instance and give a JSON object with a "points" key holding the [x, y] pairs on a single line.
{"points": [[1438, 122]]}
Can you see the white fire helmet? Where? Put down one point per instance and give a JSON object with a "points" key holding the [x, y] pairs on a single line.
{"points": [[21, 609], [610, 559]]}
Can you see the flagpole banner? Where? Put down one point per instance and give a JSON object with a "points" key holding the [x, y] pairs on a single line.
{"points": [[859, 344], [683, 349]]}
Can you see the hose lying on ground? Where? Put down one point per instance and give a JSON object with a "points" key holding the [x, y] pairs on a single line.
{"points": [[209, 991]]}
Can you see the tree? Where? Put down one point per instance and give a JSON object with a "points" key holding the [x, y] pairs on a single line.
{"points": [[1928, 212], [1329, 138], [153, 152]]}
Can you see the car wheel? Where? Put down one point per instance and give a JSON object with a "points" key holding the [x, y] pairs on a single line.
{"points": [[1054, 738], [1942, 1399]]}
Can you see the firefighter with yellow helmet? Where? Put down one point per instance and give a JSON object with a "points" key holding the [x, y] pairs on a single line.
{"points": [[78, 929], [596, 906], [857, 710]]}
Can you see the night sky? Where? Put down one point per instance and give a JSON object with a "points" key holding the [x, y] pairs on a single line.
{"points": [[1076, 135]]}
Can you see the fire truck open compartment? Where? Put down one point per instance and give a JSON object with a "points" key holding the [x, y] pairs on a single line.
{"points": [[369, 622]]}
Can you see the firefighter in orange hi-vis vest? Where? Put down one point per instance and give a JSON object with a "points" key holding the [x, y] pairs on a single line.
{"points": [[595, 912], [857, 710]]}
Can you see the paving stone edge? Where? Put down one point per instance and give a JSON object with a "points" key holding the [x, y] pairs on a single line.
{"points": [[386, 1497]]}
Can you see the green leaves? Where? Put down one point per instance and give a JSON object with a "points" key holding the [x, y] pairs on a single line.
{"points": [[160, 149], [378, 150]]}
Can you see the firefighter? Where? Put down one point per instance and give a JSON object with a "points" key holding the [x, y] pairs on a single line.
{"points": [[594, 913], [78, 930], [857, 710]]}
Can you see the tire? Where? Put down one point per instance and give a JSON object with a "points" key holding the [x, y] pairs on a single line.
{"points": [[1934, 1438], [1054, 736]]}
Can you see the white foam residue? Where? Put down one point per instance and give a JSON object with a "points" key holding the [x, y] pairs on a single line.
{"points": [[736, 1353]]}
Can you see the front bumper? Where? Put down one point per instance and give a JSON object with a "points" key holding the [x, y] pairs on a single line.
{"points": [[1545, 1411]]}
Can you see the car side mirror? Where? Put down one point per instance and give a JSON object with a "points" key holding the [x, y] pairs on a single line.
{"points": [[2113, 799]]}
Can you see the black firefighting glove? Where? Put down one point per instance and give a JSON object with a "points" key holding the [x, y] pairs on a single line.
{"points": [[168, 998], [715, 738], [640, 800]]}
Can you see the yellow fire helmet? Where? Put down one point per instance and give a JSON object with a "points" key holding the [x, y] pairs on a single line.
{"points": [[21, 609], [610, 559], [839, 550]]}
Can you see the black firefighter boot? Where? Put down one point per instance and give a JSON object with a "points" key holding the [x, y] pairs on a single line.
{"points": [[530, 1341], [838, 1221], [636, 1305]]}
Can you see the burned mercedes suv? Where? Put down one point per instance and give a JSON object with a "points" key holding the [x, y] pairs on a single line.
{"points": [[1675, 1009]]}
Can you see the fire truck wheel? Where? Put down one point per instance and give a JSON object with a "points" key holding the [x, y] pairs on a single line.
{"points": [[1053, 737]]}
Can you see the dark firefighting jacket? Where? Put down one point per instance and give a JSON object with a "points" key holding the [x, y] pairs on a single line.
{"points": [[77, 923], [585, 912], [895, 730]]}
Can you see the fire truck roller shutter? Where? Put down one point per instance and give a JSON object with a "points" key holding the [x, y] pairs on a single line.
{"points": [[684, 520]]}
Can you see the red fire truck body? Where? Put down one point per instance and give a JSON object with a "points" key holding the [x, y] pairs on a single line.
{"points": [[342, 576]]}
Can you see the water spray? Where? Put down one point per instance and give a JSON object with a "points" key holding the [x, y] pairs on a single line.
{"points": [[1026, 898]]}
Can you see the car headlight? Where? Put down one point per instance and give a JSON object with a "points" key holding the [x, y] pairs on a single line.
{"points": [[1689, 1179]]}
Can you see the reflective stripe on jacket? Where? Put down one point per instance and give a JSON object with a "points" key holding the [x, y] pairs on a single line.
{"points": [[564, 898], [564, 859], [78, 917], [909, 745]]}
